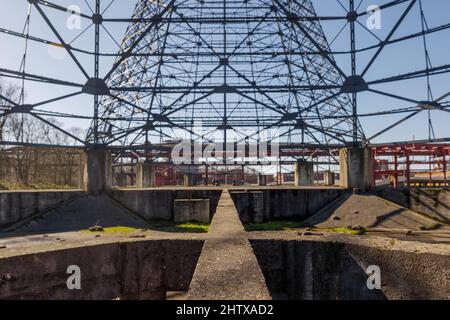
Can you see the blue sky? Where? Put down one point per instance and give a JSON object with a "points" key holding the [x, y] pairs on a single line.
{"points": [[396, 59]]}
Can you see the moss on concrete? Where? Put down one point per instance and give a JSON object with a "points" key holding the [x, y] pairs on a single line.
{"points": [[166, 226], [190, 226], [346, 230], [116, 229], [277, 225], [286, 225]]}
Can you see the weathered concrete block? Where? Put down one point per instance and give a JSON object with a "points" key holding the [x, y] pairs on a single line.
{"points": [[97, 177], [262, 180], [191, 210], [329, 178], [356, 168], [188, 180], [304, 173], [145, 175]]}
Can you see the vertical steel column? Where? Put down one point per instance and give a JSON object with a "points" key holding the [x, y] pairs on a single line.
{"points": [[97, 23], [353, 58], [225, 116]]}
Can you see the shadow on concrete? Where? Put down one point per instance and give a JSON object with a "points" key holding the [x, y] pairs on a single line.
{"points": [[144, 270], [300, 270], [76, 215], [400, 212], [256, 206], [424, 201], [370, 211], [325, 213], [424, 204]]}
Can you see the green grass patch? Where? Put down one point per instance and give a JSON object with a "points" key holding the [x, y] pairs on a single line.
{"points": [[277, 225], [285, 225], [8, 186], [345, 230], [190, 226], [116, 229], [166, 226]]}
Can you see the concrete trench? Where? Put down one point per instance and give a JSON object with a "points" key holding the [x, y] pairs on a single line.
{"points": [[270, 204], [291, 269], [317, 270], [129, 270], [229, 263]]}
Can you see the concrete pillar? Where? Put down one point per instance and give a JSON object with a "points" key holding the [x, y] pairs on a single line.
{"points": [[145, 175], [304, 173], [206, 182], [82, 183], [188, 180], [97, 172], [121, 179], [329, 178], [356, 168], [262, 180]]}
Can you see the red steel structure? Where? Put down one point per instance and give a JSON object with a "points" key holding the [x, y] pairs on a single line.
{"points": [[412, 164]]}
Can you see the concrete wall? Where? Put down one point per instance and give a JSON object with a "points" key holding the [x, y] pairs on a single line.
{"points": [[297, 204], [18, 206], [158, 204], [328, 271], [132, 270], [434, 203], [192, 210], [303, 173]]}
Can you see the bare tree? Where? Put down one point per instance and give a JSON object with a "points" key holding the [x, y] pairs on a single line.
{"points": [[11, 93], [36, 164]]}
